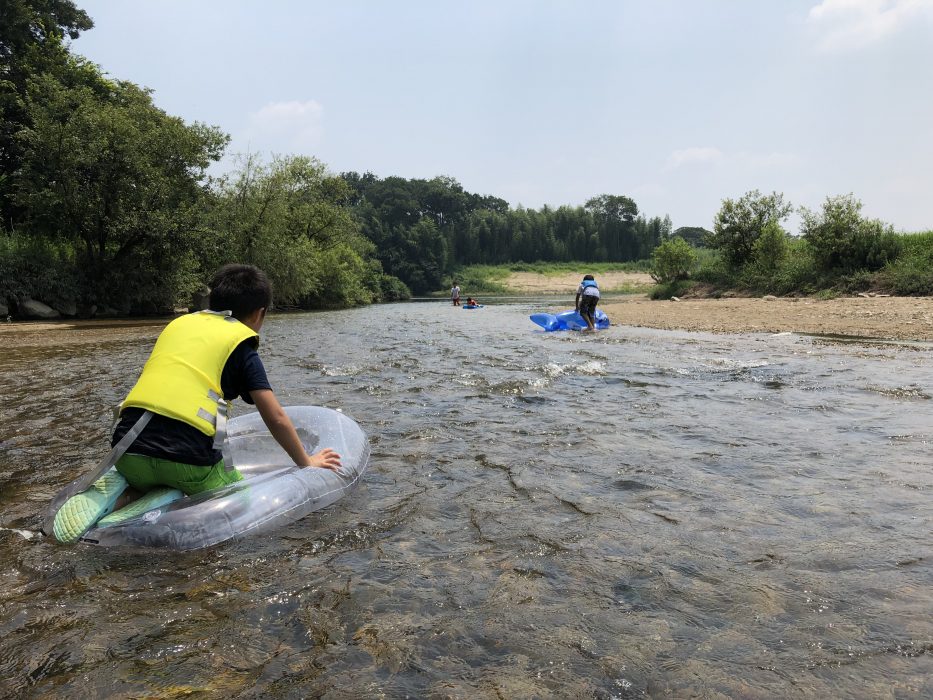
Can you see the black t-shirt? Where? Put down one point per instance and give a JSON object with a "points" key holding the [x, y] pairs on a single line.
{"points": [[175, 440]]}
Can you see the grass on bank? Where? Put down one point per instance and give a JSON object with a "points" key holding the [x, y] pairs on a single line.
{"points": [[492, 279]]}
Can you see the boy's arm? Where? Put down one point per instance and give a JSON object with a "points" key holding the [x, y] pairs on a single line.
{"points": [[280, 425], [576, 302]]}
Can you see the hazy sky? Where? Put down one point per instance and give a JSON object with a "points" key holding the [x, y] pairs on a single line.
{"points": [[675, 103]]}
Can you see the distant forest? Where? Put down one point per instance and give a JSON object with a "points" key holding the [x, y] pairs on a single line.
{"points": [[424, 229]]}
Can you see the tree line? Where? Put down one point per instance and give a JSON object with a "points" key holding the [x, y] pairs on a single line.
{"points": [[426, 229], [838, 251]]}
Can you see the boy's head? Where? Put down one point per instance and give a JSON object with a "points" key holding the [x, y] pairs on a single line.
{"points": [[588, 277], [241, 289]]}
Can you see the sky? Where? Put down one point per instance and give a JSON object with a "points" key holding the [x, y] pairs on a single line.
{"points": [[677, 104]]}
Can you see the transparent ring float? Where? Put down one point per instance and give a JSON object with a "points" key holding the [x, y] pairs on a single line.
{"points": [[273, 492]]}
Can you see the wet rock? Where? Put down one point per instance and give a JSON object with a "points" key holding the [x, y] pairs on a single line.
{"points": [[87, 310], [30, 308], [200, 299], [67, 308], [147, 307], [769, 297], [106, 312]]}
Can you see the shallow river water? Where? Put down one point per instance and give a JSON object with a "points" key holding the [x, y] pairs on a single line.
{"points": [[631, 513]]}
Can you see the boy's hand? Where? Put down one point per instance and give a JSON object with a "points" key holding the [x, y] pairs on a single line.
{"points": [[325, 459]]}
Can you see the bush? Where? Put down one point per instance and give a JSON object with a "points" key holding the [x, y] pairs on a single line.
{"points": [[797, 272], [393, 289], [740, 223], [341, 282], [37, 269], [673, 260], [841, 240], [858, 281], [770, 250], [714, 270], [911, 274], [677, 288]]}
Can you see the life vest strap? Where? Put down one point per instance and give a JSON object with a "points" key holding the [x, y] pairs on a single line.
{"points": [[220, 429]]}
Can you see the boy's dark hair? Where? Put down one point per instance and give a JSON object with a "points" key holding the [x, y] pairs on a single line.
{"points": [[588, 277], [241, 289]]}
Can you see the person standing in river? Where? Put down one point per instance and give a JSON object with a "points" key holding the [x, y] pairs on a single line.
{"points": [[455, 294], [586, 300]]}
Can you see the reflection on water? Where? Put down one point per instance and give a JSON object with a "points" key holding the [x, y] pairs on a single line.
{"points": [[632, 513]]}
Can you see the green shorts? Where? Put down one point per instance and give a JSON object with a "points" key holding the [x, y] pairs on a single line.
{"points": [[143, 473]]}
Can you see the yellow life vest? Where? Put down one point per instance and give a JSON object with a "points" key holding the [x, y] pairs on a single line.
{"points": [[181, 378]]}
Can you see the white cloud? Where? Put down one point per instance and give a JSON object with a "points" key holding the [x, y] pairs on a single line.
{"points": [[297, 124], [843, 25], [696, 154]]}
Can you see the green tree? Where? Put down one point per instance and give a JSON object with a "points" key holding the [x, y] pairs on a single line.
{"points": [[672, 261], [615, 215], [613, 207], [739, 223], [118, 178], [694, 235], [292, 219], [771, 248], [842, 240], [32, 35]]}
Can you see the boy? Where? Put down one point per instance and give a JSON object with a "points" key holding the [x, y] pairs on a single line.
{"points": [[199, 361], [586, 300], [455, 294]]}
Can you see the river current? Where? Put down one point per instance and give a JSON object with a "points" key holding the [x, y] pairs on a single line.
{"points": [[624, 514]]}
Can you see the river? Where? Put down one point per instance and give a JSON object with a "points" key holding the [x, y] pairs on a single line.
{"points": [[630, 513]]}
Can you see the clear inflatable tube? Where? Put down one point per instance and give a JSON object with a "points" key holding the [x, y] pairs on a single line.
{"points": [[569, 320], [274, 491]]}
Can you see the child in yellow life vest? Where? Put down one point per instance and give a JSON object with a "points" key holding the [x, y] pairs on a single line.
{"points": [[199, 361]]}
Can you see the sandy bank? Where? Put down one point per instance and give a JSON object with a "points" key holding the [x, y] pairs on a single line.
{"points": [[898, 318]]}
